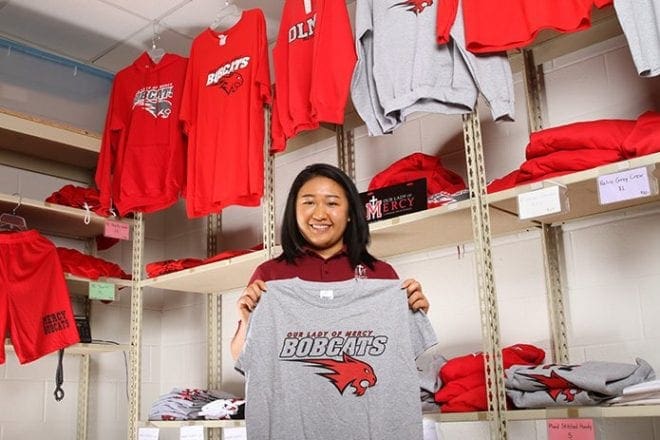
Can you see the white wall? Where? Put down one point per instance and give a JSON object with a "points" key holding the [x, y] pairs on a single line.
{"points": [[611, 262]]}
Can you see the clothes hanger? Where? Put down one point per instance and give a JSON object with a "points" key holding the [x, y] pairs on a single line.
{"points": [[13, 221], [227, 16], [155, 53]]}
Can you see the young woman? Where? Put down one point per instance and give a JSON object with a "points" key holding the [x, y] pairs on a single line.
{"points": [[324, 238]]}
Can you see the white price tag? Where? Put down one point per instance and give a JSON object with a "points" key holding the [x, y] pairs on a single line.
{"points": [[234, 433], [191, 433], [148, 433], [624, 185], [539, 203], [430, 432]]}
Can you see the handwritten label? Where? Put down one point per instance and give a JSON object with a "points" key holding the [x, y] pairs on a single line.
{"points": [[571, 429], [191, 433], [148, 433], [624, 185], [117, 230], [102, 291], [539, 203]]}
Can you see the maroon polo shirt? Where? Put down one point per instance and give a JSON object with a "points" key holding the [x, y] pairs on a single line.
{"points": [[312, 267]]}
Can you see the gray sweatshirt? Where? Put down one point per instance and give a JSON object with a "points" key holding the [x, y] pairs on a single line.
{"points": [[334, 361], [401, 69]]}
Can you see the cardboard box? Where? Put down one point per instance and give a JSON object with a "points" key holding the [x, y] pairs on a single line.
{"points": [[395, 200]]}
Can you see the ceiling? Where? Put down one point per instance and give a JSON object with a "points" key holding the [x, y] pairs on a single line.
{"points": [[111, 34]]}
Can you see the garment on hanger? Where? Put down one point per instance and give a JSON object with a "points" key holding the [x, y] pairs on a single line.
{"points": [[35, 307], [314, 58], [141, 165], [11, 221], [497, 26], [401, 69], [640, 21], [227, 86], [334, 360]]}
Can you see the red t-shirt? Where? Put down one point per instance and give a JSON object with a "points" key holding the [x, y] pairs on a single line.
{"points": [[227, 85], [312, 267]]}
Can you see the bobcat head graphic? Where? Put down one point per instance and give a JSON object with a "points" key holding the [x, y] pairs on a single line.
{"points": [[345, 372]]}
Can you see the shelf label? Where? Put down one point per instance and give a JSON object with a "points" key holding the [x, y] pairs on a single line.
{"points": [[234, 433], [624, 185], [571, 429], [117, 230], [148, 433], [191, 433], [540, 202], [102, 291]]}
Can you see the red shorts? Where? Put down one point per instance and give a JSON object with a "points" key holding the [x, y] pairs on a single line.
{"points": [[34, 300]]}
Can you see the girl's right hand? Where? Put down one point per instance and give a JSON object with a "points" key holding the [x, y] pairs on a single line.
{"points": [[249, 299]]}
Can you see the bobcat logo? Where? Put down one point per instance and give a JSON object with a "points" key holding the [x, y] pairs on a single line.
{"points": [[348, 371], [160, 109], [415, 6], [555, 385], [231, 82]]}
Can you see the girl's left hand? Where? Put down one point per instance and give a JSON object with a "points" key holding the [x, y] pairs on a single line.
{"points": [[416, 299]]}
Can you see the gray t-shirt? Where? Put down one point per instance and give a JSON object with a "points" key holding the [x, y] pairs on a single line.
{"points": [[334, 361]]}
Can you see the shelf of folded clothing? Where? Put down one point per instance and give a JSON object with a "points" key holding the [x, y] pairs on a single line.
{"points": [[80, 285], [46, 146], [445, 225], [52, 219], [549, 44], [81, 348], [584, 412], [582, 191], [204, 423], [219, 276]]}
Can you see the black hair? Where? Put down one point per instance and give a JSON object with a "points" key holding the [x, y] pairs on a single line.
{"points": [[356, 236]]}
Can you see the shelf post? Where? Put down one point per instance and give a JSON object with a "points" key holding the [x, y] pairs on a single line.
{"points": [[534, 90], [550, 240], [268, 210], [83, 398], [213, 319], [485, 277], [136, 329], [345, 151]]}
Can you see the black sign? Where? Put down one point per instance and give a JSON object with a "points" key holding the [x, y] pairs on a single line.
{"points": [[395, 200]]}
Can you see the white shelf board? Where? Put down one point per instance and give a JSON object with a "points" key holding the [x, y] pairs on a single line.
{"points": [[80, 285], [52, 219], [219, 276], [475, 416], [48, 140], [595, 412], [81, 348], [205, 423], [443, 226], [582, 191]]}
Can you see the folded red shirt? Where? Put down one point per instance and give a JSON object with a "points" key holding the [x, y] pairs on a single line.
{"points": [[416, 166], [645, 136], [464, 381], [77, 263]]}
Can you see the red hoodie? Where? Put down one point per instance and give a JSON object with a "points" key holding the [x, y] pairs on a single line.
{"points": [[142, 161]]}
